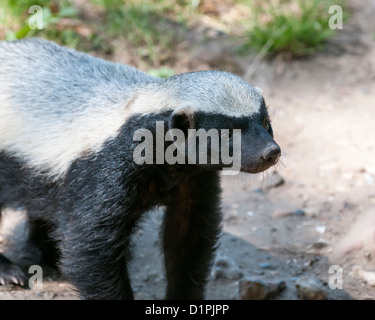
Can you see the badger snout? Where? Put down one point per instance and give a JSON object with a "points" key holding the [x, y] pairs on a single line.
{"points": [[260, 158], [271, 155]]}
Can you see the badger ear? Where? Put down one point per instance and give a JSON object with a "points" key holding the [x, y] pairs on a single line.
{"points": [[183, 119]]}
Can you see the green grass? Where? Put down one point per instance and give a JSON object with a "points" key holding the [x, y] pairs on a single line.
{"points": [[163, 72], [20, 7], [153, 28], [19, 10], [293, 28], [149, 25]]}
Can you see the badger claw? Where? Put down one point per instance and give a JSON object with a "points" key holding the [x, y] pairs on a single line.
{"points": [[10, 273]]}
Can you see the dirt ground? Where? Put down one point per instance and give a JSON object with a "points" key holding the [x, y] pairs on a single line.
{"points": [[316, 211]]}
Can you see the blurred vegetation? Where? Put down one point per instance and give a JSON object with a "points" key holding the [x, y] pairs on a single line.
{"points": [[154, 28], [163, 72], [16, 15], [150, 25], [291, 27]]}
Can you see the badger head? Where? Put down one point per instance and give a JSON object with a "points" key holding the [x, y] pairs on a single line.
{"points": [[214, 101]]}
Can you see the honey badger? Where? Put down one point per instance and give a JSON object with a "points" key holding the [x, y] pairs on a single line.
{"points": [[67, 122]]}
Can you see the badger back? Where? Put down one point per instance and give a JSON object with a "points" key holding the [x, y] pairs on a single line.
{"points": [[56, 103]]}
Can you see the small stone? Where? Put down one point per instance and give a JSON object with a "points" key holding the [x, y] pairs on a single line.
{"points": [[256, 289], [226, 268], [288, 213], [311, 212], [266, 265], [299, 212], [320, 229], [281, 213], [320, 243], [367, 255], [258, 272], [250, 213], [309, 288], [311, 262], [349, 206]]}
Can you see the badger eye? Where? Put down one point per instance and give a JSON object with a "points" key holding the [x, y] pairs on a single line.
{"points": [[266, 124]]}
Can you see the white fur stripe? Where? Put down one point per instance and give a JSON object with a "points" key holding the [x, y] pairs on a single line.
{"points": [[54, 146], [56, 103]]}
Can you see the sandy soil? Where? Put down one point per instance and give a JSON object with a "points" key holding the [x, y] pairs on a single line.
{"points": [[323, 111]]}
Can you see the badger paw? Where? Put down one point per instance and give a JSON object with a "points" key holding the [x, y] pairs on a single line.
{"points": [[11, 273]]}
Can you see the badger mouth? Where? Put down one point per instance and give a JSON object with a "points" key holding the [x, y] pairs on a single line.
{"points": [[259, 168]]}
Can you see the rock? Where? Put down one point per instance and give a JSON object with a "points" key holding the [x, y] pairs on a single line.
{"points": [[256, 289], [258, 272], [299, 212], [310, 262], [310, 288], [367, 276], [288, 213], [320, 243], [281, 214], [367, 255], [266, 265], [226, 268]]}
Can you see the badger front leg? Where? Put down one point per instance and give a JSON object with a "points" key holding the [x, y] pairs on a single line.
{"points": [[95, 254], [190, 231]]}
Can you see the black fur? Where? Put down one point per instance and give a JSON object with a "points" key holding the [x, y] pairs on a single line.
{"points": [[95, 208], [85, 220], [83, 216]]}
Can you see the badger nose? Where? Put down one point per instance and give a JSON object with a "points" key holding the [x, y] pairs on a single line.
{"points": [[271, 155]]}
